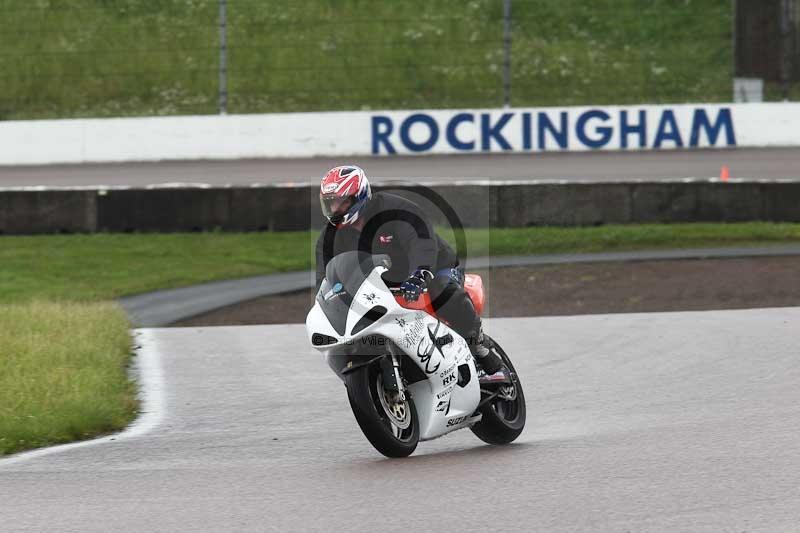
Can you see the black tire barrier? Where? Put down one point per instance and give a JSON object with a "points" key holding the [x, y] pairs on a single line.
{"points": [[282, 208]]}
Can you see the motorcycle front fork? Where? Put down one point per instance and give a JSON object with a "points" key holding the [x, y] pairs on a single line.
{"points": [[392, 380]]}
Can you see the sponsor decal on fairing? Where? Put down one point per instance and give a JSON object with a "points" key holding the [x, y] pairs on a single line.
{"points": [[336, 290]]}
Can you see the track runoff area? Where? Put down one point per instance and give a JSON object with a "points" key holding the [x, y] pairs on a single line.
{"points": [[744, 163], [647, 422]]}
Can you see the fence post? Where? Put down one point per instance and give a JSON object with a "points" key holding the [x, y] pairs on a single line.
{"points": [[507, 53], [734, 47], [223, 57], [787, 45]]}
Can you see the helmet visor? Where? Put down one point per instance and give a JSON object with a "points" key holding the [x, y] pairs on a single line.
{"points": [[335, 207]]}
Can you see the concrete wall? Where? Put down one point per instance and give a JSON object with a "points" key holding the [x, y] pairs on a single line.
{"points": [[276, 208], [432, 131]]}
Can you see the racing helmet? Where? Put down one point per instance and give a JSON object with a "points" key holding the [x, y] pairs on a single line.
{"points": [[343, 194]]}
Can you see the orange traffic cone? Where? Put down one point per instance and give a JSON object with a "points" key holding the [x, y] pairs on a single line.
{"points": [[725, 173]]}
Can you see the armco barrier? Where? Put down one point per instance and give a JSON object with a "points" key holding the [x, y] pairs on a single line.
{"points": [[502, 204]]}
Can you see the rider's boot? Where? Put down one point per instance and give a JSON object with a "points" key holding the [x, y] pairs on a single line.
{"points": [[486, 358]]}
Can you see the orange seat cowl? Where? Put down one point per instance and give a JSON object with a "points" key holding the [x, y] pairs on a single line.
{"points": [[473, 284], [423, 304]]}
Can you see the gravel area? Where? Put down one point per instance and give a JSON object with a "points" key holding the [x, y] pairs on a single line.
{"points": [[593, 288]]}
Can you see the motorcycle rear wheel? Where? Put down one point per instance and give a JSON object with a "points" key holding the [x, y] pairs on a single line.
{"points": [[503, 419], [390, 426]]}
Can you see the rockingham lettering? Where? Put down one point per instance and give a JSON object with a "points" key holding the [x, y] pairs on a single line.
{"points": [[611, 128]]}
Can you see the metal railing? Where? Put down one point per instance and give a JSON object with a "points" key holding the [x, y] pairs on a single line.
{"points": [[79, 58]]}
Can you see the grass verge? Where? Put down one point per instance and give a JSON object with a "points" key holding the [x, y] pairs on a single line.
{"points": [[628, 237], [62, 373]]}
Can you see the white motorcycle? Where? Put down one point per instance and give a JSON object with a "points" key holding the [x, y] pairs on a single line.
{"points": [[409, 376]]}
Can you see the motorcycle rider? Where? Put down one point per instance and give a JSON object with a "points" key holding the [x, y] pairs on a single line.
{"points": [[384, 223]]}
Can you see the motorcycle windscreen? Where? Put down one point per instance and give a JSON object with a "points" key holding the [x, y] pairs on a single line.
{"points": [[344, 275]]}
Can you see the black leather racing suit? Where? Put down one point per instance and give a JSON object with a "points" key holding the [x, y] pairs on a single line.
{"points": [[399, 228]]}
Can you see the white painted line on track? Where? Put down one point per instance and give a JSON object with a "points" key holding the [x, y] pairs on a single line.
{"points": [[151, 394]]}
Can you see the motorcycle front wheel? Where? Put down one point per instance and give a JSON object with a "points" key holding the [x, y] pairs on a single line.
{"points": [[389, 423], [504, 416]]}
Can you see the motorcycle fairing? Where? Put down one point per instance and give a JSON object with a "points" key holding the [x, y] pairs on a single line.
{"points": [[442, 404]]}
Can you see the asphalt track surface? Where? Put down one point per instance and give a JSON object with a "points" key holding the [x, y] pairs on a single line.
{"points": [[778, 163], [650, 422]]}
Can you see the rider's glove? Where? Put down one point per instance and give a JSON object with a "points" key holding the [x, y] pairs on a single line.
{"points": [[413, 287]]}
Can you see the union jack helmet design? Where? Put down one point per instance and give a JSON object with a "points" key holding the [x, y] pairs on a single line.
{"points": [[343, 194]]}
